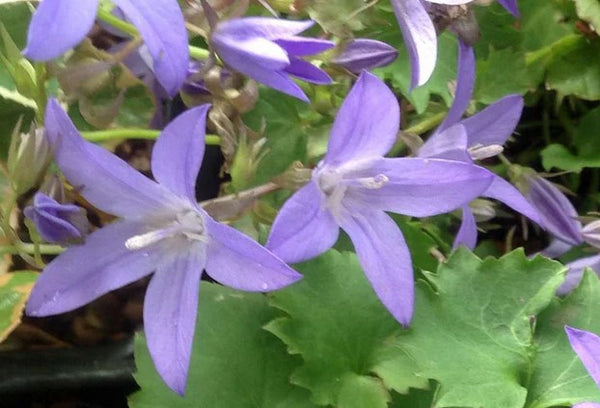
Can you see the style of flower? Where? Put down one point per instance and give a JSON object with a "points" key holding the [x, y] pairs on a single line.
{"points": [[587, 347], [420, 35], [268, 51], [56, 222], [354, 185], [59, 25], [364, 53], [163, 230], [479, 136]]}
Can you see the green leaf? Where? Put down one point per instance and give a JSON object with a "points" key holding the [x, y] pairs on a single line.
{"points": [[503, 72], [339, 17], [589, 10], [235, 363], [13, 105], [342, 331], [14, 292]]}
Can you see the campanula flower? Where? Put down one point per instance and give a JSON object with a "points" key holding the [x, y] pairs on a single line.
{"points": [[354, 185], [479, 136], [269, 51], [587, 347], [364, 53], [59, 25], [57, 222], [162, 231]]}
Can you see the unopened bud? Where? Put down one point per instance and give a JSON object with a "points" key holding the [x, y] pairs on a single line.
{"points": [[591, 233], [363, 53], [482, 209], [28, 158]]}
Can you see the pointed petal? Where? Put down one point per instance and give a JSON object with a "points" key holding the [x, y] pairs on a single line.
{"points": [[465, 83], [450, 144], [510, 6], [467, 233], [556, 248], [575, 273], [496, 123], [504, 192], [420, 38], [367, 123], [58, 26], [301, 46], [170, 309], [269, 28], [178, 152], [101, 177], [364, 53], [239, 262], [161, 25], [238, 52], [306, 71], [304, 228], [450, 2], [417, 187], [587, 347], [85, 272], [384, 256]]}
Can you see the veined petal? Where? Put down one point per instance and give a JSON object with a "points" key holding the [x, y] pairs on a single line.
{"points": [[85, 272], [178, 152], [56, 222], [384, 256], [101, 177], [417, 187], [510, 6], [587, 405], [465, 83], [304, 228], [269, 28], [575, 273], [57, 26], [239, 262], [420, 38], [237, 52], [494, 124], [170, 310], [367, 123], [306, 71], [301, 46], [587, 347], [467, 233], [450, 144], [506, 193], [161, 25]]}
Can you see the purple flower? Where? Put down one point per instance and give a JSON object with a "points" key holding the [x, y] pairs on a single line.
{"points": [[56, 222], [163, 230], [268, 51], [420, 35], [587, 347], [59, 25], [479, 136], [363, 53], [354, 185]]}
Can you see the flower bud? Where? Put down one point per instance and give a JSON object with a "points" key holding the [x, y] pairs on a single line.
{"points": [[363, 53], [28, 158]]}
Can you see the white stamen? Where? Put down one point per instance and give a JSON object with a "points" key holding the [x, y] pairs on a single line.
{"points": [[480, 152], [374, 183], [149, 238]]}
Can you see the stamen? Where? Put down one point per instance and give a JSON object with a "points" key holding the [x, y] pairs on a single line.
{"points": [[149, 238], [373, 183], [480, 152]]}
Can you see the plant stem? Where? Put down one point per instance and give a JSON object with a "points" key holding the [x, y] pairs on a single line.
{"points": [[29, 248], [99, 136]]}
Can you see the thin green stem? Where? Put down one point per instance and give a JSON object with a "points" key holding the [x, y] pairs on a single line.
{"points": [[99, 136], [29, 248]]}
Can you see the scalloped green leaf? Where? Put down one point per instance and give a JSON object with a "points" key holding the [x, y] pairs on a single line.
{"points": [[14, 292]]}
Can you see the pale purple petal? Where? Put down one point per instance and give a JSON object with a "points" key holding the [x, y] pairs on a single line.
{"points": [[384, 256], [496, 123], [450, 144], [587, 347], [178, 152], [467, 233], [170, 310], [510, 6], [269, 28], [57, 26], [239, 262], [364, 53], [101, 177], [465, 83], [301, 46], [506, 193], [56, 222], [556, 248], [161, 25], [306, 71], [420, 38], [367, 123], [85, 272], [587, 405], [575, 273], [237, 52], [417, 187], [304, 228], [450, 2]]}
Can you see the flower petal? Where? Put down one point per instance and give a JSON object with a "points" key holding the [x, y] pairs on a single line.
{"points": [[496, 123], [301, 46], [510, 6], [364, 53], [367, 123], [556, 248], [304, 228], [85, 272], [506, 193], [306, 71], [417, 187], [101, 177], [56, 222], [450, 144], [178, 152], [384, 256], [161, 25], [170, 310], [57, 26], [587, 347], [467, 233], [575, 273], [587, 405], [239, 262], [269, 28], [420, 38], [237, 52]]}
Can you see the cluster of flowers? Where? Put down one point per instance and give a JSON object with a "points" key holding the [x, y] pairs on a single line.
{"points": [[163, 230]]}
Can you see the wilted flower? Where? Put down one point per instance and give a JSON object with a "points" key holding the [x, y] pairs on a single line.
{"points": [[59, 25], [364, 53], [268, 51], [163, 230], [354, 185], [28, 158], [587, 347]]}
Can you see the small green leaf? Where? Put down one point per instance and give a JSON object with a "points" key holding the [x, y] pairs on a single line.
{"points": [[589, 10], [14, 292]]}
